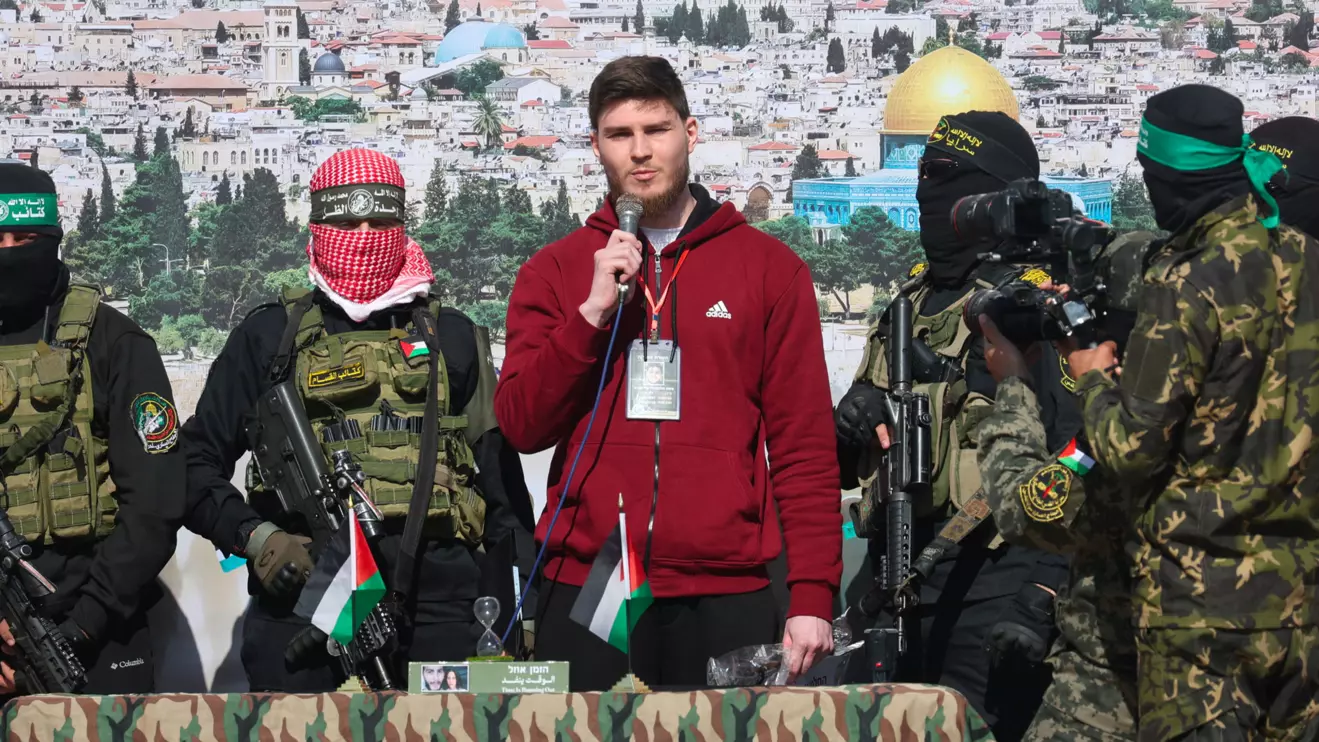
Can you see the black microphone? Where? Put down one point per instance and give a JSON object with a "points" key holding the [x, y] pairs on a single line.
{"points": [[629, 210]]}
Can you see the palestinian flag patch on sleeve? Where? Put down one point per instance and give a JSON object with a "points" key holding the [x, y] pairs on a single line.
{"points": [[414, 347], [156, 422], [1075, 459]]}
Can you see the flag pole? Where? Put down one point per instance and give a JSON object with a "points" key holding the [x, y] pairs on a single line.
{"points": [[630, 682]]}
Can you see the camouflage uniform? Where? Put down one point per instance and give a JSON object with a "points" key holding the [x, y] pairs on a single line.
{"points": [[1040, 503], [1218, 403]]}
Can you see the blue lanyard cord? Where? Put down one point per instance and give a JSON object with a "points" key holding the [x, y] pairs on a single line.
{"points": [[563, 495]]}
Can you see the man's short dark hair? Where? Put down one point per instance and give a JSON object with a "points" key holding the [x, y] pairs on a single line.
{"points": [[636, 78]]}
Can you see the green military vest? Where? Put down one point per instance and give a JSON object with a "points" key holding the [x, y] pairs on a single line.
{"points": [[56, 473], [365, 375], [955, 411]]}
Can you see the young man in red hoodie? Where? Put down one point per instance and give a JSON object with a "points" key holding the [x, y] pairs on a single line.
{"points": [[720, 359]]}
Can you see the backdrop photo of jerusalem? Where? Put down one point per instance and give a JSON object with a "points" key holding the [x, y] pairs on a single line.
{"points": [[182, 135]]}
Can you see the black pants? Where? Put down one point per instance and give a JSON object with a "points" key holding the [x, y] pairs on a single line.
{"points": [[266, 636], [125, 664], [673, 641]]}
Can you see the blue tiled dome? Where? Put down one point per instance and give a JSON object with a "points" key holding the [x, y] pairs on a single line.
{"points": [[473, 37]]}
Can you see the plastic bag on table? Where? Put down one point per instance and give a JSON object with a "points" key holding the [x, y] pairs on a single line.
{"points": [[763, 664]]}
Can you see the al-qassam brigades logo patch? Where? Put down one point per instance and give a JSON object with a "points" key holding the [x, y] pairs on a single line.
{"points": [[1044, 495], [156, 422]]}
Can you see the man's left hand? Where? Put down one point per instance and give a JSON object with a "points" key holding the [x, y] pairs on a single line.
{"points": [[1003, 358], [806, 639], [1102, 358]]}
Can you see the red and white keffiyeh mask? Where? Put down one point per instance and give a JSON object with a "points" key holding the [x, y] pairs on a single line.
{"points": [[363, 271]]}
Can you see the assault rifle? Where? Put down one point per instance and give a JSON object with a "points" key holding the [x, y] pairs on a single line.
{"points": [[905, 476], [44, 658], [315, 497]]}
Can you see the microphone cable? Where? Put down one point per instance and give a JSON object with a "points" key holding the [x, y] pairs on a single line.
{"points": [[563, 495]]}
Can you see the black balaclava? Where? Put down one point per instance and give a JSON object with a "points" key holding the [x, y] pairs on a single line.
{"points": [[1180, 197], [28, 204], [1295, 140], [967, 154]]}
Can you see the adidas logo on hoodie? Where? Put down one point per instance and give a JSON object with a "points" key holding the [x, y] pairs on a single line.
{"points": [[718, 310]]}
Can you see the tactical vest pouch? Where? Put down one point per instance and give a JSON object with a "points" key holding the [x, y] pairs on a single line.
{"points": [[51, 368], [409, 380], [21, 492], [339, 370], [388, 438], [9, 392]]}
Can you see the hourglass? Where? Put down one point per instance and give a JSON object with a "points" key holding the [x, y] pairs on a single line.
{"points": [[487, 610]]}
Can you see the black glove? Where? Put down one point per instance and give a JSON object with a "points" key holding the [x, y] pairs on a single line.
{"points": [[83, 645], [1023, 632], [306, 646], [859, 412]]}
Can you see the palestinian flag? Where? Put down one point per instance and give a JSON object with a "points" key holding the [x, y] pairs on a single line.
{"points": [[616, 579], [344, 586], [1075, 459], [414, 347]]}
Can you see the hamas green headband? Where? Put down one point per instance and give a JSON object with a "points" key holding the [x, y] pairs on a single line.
{"points": [[1186, 153], [20, 210]]}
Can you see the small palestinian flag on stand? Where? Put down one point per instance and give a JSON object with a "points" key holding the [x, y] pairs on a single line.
{"points": [[345, 585], [1075, 459], [616, 592]]}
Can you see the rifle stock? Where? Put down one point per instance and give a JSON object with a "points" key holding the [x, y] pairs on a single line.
{"points": [[291, 463]]}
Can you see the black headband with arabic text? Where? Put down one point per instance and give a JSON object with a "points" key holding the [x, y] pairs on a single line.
{"points": [[358, 202], [961, 141]]}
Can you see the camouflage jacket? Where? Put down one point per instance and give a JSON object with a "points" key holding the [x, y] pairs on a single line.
{"points": [[1041, 503], [1217, 407]]}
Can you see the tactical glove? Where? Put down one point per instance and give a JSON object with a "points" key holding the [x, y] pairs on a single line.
{"points": [[305, 647], [859, 412], [279, 560], [1023, 631]]}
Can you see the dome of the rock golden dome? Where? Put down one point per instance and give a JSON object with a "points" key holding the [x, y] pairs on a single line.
{"points": [[946, 81]]}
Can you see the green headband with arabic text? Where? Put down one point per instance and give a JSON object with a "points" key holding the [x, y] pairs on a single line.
{"points": [[18, 210], [1187, 153]]}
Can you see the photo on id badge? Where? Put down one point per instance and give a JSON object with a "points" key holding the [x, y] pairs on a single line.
{"points": [[652, 380]]}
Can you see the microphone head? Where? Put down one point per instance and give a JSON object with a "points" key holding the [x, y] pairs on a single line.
{"points": [[629, 210]]}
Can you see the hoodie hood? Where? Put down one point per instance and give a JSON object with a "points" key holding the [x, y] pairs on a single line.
{"points": [[708, 220]]}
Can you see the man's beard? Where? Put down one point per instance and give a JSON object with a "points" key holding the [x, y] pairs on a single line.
{"points": [[659, 203]]}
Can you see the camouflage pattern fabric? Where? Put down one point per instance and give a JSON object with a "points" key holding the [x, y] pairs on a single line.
{"points": [[1040, 503], [1215, 684], [856, 713], [1219, 403]]}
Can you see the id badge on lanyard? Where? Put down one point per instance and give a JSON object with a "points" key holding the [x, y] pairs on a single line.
{"points": [[654, 367]]}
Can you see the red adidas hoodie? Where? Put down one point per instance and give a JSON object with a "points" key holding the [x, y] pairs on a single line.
{"points": [[753, 373]]}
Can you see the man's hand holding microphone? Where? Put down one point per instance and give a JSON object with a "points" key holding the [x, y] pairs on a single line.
{"points": [[616, 264]]}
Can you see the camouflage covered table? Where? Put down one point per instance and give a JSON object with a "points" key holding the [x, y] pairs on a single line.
{"points": [[854, 713]]}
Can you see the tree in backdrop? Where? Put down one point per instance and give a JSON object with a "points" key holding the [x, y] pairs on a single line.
{"points": [[531, 32], [728, 26], [851, 168], [221, 33], [835, 61], [560, 221], [223, 193], [829, 16], [876, 43], [304, 32], [108, 200], [437, 192], [677, 24], [1299, 36], [307, 110], [140, 145], [451, 16], [1262, 10], [161, 143], [75, 95], [1132, 210], [304, 67], [130, 85], [189, 128], [473, 80], [489, 123], [832, 263], [883, 251], [807, 165], [695, 29], [639, 18]]}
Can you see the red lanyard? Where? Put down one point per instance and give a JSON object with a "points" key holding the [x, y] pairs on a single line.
{"points": [[655, 307]]}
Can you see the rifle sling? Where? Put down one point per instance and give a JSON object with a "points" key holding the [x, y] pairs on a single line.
{"points": [[279, 366], [964, 521], [406, 568]]}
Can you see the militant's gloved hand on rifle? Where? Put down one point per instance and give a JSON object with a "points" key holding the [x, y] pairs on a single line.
{"points": [[859, 412], [1026, 629], [279, 560]]}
